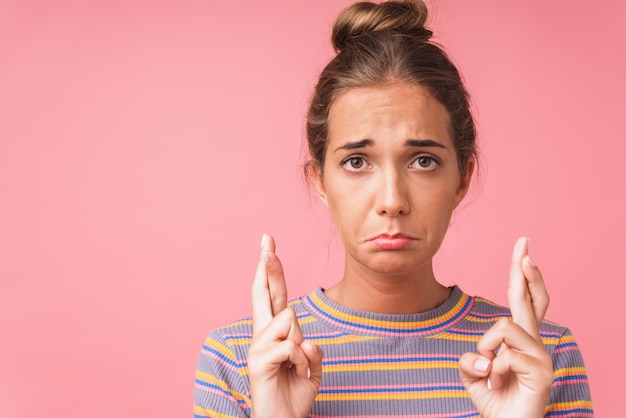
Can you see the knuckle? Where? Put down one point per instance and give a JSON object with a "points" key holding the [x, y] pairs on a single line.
{"points": [[289, 314], [506, 356], [503, 323], [275, 268], [290, 346], [517, 293], [279, 299]]}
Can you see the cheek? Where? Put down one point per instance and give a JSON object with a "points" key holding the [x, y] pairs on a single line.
{"points": [[342, 209], [447, 211], [347, 207], [434, 205]]}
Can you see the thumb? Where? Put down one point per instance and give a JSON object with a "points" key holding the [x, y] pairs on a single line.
{"points": [[314, 354], [473, 369]]}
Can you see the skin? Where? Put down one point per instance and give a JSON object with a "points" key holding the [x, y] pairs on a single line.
{"points": [[391, 168], [390, 192]]}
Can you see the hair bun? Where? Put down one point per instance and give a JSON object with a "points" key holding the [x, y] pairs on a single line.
{"points": [[404, 17]]}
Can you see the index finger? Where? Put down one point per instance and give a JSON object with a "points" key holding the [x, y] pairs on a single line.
{"points": [[260, 296], [275, 275], [520, 300]]}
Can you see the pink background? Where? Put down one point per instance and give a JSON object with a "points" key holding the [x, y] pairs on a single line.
{"points": [[145, 148]]}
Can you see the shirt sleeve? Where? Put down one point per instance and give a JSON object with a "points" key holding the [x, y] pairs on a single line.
{"points": [[570, 396], [221, 390]]}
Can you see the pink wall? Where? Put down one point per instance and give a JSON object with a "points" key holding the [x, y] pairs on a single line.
{"points": [[144, 150]]}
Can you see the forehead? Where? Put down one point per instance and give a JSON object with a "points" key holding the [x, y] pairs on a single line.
{"points": [[395, 111]]}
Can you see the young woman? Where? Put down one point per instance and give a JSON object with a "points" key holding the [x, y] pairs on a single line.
{"points": [[392, 144]]}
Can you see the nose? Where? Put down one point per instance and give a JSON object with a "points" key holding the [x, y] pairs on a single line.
{"points": [[392, 198]]}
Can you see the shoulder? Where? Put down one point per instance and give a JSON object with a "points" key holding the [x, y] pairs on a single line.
{"points": [[229, 343], [233, 332]]}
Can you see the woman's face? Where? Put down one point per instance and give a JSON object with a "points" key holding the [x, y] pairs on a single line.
{"points": [[390, 178]]}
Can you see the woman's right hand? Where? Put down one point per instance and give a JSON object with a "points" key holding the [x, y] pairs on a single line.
{"points": [[285, 371]]}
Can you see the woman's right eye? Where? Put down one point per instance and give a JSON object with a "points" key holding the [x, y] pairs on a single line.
{"points": [[354, 164]]}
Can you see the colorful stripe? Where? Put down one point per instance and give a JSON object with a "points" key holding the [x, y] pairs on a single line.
{"points": [[385, 365], [410, 362], [577, 409], [465, 414], [199, 412], [386, 327], [383, 392]]}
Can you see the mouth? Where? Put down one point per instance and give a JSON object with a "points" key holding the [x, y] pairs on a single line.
{"points": [[396, 241]]}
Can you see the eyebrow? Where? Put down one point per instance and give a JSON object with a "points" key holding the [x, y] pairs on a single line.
{"points": [[410, 143], [356, 144], [424, 143]]}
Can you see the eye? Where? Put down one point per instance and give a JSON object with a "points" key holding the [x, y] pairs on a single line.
{"points": [[354, 164], [425, 162]]}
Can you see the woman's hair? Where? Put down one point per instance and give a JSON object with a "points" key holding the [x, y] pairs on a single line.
{"points": [[385, 43]]}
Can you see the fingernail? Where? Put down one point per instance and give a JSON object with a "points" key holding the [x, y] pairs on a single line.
{"points": [[530, 261], [266, 257], [488, 383], [308, 373], [481, 365], [263, 240]]}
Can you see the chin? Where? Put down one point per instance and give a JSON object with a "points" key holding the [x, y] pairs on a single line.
{"points": [[396, 266], [398, 263]]}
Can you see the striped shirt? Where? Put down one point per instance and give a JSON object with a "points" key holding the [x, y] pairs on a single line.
{"points": [[379, 365]]}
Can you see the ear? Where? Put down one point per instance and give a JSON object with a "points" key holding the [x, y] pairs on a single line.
{"points": [[314, 171], [466, 180]]}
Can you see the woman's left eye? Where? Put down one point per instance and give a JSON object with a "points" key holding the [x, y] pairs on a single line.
{"points": [[425, 162]]}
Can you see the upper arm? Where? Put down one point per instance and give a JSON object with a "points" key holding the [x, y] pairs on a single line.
{"points": [[570, 395], [220, 389]]}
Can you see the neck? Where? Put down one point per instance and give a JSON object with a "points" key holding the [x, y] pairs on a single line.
{"points": [[364, 290]]}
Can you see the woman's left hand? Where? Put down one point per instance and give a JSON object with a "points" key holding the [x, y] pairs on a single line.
{"points": [[512, 374]]}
